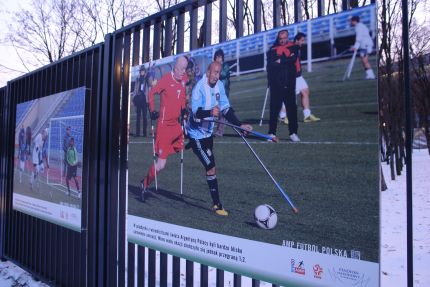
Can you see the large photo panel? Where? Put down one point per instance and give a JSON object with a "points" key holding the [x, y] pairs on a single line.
{"points": [[49, 144], [295, 201]]}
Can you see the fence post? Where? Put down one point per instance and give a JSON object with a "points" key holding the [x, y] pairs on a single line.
{"points": [[309, 50]]}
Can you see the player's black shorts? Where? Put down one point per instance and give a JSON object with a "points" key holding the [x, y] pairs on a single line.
{"points": [[71, 171], [203, 148]]}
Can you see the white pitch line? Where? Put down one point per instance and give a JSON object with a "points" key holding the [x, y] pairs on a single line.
{"points": [[284, 142]]}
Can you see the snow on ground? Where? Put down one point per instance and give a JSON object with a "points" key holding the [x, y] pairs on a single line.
{"points": [[12, 275], [393, 234], [393, 224]]}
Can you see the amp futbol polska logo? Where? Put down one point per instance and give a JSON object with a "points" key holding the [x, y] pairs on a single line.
{"points": [[298, 267], [317, 271]]}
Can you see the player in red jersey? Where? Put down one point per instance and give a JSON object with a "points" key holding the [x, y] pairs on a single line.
{"points": [[171, 89]]}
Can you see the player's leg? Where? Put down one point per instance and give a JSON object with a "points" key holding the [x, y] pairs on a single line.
{"points": [[275, 107], [68, 186], [74, 174], [283, 115], [65, 164], [154, 169], [138, 115], [366, 65], [290, 103], [203, 150], [307, 113], [21, 164], [145, 119]]}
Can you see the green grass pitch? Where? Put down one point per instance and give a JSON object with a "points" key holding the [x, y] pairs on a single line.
{"points": [[332, 176]]}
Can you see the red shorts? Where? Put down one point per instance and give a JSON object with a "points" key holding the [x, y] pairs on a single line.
{"points": [[169, 140]]}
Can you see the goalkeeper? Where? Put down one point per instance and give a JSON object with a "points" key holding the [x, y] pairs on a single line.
{"points": [[72, 165]]}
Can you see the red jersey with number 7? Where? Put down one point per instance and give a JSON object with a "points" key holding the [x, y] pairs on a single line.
{"points": [[172, 98]]}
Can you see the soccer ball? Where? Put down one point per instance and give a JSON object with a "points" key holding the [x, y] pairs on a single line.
{"points": [[265, 216]]}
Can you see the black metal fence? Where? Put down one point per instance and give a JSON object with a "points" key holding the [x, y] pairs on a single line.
{"points": [[96, 256]]}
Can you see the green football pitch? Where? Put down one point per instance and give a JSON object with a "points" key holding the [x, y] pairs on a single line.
{"points": [[332, 175]]}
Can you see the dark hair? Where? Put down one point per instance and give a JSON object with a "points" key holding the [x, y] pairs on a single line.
{"points": [[142, 68], [190, 64], [219, 53], [299, 36], [71, 140], [355, 18], [276, 43]]}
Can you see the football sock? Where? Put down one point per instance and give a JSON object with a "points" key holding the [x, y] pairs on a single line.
{"points": [[77, 184], [150, 176], [306, 113], [213, 188]]}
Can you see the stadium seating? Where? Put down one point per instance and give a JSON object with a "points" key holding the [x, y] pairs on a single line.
{"points": [[75, 106], [21, 110]]}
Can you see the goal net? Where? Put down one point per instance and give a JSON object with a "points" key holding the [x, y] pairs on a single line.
{"points": [[57, 171]]}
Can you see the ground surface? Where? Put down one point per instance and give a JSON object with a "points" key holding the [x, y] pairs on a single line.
{"points": [[331, 176]]}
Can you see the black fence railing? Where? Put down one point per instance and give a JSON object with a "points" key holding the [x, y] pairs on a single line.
{"points": [[95, 256]]}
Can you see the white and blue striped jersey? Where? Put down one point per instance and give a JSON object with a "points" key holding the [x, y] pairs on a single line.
{"points": [[205, 97]]}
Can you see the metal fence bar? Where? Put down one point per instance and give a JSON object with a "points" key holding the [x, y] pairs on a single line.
{"points": [[141, 266], [168, 37], [163, 269], [193, 26], [219, 278], [176, 271], [130, 264], [276, 13], [151, 268], [237, 280], [239, 18], [189, 273], [257, 16], [208, 24], [204, 280], [180, 34]]}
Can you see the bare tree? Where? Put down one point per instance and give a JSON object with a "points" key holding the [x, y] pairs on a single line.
{"points": [[391, 79]]}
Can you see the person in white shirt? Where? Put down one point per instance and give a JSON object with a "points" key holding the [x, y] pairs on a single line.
{"points": [[37, 156], [363, 45]]}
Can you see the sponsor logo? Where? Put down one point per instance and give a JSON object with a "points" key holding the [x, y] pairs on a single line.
{"points": [[298, 267], [318, 271], [349, 277], [355, 254]]}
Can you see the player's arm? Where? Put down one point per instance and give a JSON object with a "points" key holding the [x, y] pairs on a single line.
{"points": [[197, 104]]}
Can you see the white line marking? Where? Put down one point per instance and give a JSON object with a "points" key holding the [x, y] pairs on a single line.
{"points": [[285, 142]]}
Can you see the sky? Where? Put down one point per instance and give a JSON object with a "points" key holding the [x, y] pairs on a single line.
{"points": [[10, 64], [8, 56]]}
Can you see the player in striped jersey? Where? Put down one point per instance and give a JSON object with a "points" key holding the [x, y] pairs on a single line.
{"points": [[207, 102]]}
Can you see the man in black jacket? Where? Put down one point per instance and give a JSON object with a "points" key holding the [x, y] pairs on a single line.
{"points": [[282, 60]]}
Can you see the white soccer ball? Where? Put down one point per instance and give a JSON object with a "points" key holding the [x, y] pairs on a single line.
{"points": [[265, 216]]}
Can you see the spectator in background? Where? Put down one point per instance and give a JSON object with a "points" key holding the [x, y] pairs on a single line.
{"points": [[363, 45], [140, 101], [66, 143], [45, 150], [301, 88], [28, 140], [281, 73], [225, 79], [21, 152], [191, 80]]}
